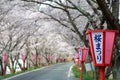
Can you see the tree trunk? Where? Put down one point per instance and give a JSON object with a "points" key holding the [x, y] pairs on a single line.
{"points": [[1, 65], [114, 24], [115, 69], [116, 63], [12, 71], [115, 9], [36, 62]]}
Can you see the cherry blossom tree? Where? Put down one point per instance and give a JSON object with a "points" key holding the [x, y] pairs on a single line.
{"points": [[96, 14], [43, 26]]}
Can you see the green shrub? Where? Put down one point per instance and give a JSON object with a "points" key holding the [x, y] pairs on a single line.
{"points": [[76, 73], [87, 77]]}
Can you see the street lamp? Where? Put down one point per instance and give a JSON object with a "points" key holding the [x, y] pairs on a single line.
{"points": [[82, 53], [101, 46]]}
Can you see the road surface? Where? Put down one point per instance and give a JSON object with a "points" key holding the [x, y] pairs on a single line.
{"points": [[54, 72]]}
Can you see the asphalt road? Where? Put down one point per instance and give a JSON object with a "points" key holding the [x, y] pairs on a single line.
{"points": [[54, 72]]}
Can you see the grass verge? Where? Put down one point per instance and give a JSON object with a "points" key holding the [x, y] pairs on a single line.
{"points": [[19, 72], [76, 73]]}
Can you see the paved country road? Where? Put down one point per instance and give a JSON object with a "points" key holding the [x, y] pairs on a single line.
{"points": [[54, 72]]}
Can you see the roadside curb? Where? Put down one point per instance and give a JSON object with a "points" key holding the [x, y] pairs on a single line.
{"points": [[29, 71], [71, 75]]}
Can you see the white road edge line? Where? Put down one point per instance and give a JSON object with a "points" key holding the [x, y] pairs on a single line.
{"points": [[69, 72]]}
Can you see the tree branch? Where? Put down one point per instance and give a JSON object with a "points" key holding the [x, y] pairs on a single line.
{"points": [[108, 15]]}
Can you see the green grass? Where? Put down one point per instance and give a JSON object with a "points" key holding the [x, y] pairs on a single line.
{"points": [[9, 75], [76, 73], [86, 76]]}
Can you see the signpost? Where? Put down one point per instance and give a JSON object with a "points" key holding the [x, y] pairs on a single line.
{"points": [[82, 53], [101, 46]]}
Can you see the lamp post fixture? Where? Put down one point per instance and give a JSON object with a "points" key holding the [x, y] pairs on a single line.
{"points": [[5, 58], [82, 57], [101, 46]]}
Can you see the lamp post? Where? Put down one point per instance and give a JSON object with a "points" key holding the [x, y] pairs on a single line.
{"points": [[5, 58], [82, 53], [101, 46]]}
